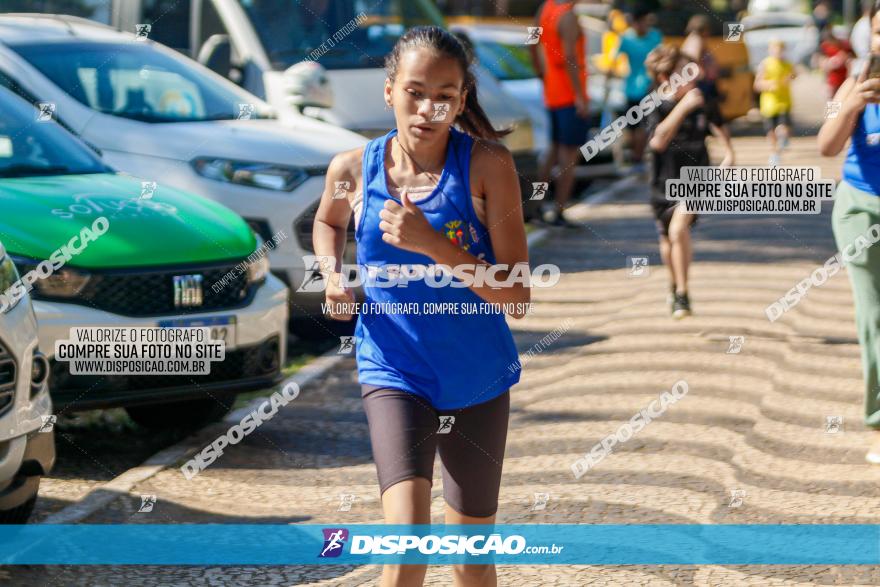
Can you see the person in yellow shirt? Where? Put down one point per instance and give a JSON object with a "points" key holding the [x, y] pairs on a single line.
{"points": [[773, 81]]}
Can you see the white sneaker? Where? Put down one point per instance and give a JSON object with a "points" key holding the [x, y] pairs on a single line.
{"points": [[550, 215], [774, 160], [783, 140], [873, 455]]}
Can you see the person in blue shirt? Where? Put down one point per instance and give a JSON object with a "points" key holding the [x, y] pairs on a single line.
{"points": [[427, 194], [855, 218], [636, 43]]}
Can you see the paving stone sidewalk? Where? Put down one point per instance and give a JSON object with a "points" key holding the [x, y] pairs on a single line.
{"points": [[753, 421]]}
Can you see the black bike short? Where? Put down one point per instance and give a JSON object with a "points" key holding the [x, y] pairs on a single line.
{"points": [[771, 122], [406, 431], [663, 211]]}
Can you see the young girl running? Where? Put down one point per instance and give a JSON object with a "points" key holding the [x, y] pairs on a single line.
{"points": [[678, 129], [427, 193]]}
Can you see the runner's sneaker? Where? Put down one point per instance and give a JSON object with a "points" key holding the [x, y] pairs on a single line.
{"points": [[561, 220], [873, 455], [783, 140], [681, 306], [774, 160], [670, 297]]}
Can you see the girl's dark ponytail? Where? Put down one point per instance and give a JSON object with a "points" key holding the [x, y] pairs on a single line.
{"points": [[473, 119]]}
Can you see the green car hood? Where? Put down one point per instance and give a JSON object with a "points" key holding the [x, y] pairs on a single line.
{"points": [[39, 215]]}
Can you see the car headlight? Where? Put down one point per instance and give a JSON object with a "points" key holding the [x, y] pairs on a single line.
{"points": [[267, 176], [258, 269], [8, 273], [61, 283], [8, 276]]}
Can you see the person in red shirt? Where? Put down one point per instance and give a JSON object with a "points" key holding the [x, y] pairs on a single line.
{"points": [[562, 66], [834, 58]]}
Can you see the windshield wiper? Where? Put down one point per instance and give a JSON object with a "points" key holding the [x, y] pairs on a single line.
{"points": [[25, 170]]}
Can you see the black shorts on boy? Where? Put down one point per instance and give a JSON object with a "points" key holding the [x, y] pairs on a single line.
{"points": [[687, 149]]}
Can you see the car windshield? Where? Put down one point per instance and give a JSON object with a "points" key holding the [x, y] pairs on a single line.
{"points": [[137, 81], [506, 62], [32, 144], [333, 32]]}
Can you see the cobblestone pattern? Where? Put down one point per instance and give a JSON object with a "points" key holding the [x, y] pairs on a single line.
{"points": [[752, 421]]}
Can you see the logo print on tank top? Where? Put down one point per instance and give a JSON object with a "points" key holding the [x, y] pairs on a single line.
{"points": [[457, 234]]}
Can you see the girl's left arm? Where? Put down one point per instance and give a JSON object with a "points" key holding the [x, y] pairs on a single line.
{"points": [[493, 166]]}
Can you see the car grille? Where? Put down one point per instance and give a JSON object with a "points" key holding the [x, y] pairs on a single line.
{"points": [[304, 226], [7, 380], [150, 292]]}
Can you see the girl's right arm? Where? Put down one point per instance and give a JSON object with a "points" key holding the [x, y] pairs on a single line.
{"points": [[331, 224], [668, 127], [852, 98]]}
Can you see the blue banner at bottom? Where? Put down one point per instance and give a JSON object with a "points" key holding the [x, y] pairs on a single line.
{"points": [[355, 544]]}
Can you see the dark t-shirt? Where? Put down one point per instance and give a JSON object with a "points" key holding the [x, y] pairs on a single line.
{"points": [[687, 148]]}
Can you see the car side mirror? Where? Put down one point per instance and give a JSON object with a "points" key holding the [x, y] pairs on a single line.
{"points": [[216, 54]]}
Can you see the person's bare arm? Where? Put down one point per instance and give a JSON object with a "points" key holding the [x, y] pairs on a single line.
{"points": [[761, 83], [722, 134], [570, 33], [668, 127], [406, 227], [853, 95], [535, 49], [331, 224]]}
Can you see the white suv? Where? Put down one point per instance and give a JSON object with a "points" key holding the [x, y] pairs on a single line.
{"points": [[27, 443], [164, 118]]}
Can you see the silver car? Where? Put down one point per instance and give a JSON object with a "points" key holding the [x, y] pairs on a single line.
{"points": [[27, 443]]}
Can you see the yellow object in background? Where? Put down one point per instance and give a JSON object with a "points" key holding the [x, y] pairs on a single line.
{"points": [[778, 100], [618, 21], [610, 43]]}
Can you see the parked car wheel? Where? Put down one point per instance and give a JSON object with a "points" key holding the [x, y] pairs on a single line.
{"points": [[187, 414], [20, 514]]}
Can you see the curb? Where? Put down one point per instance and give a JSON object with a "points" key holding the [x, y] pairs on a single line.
{"points": [[605, 195]]}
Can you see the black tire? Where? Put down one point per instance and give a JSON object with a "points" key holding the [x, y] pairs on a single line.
{"points": [[20, 514], [188, 414]]}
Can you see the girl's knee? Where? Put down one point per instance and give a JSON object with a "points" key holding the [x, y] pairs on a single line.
{"points": [[473, 574], [678, 231], [404, 574]]}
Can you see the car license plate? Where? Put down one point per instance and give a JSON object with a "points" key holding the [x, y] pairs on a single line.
{"points": [[222, 327]]}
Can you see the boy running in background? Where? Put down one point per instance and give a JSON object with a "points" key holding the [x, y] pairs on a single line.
{"points": [[677, 131], [773, 80]]}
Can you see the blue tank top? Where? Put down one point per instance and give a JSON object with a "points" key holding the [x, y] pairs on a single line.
{"points": [[453, 361], [861, 168]]}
